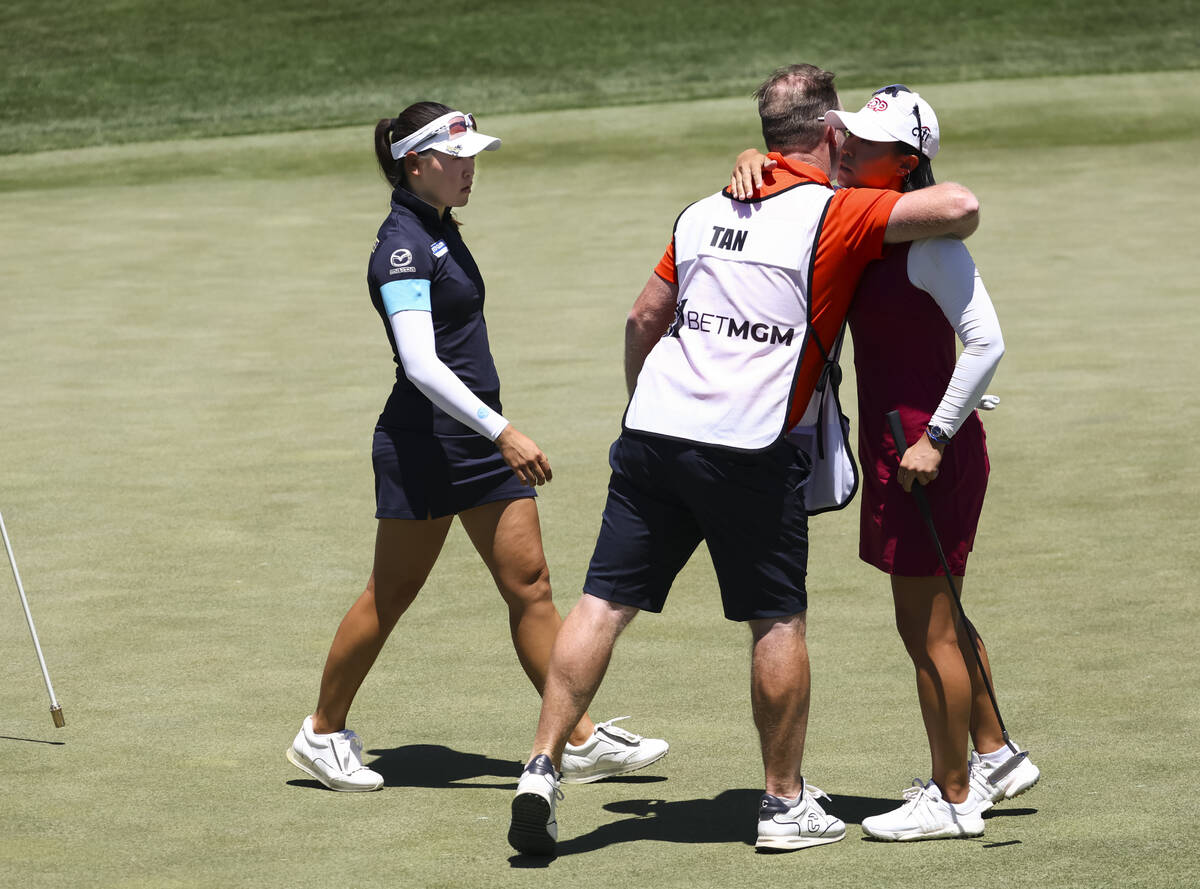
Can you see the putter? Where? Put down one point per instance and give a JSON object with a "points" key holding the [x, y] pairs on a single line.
{"points": [[918, 493], [55, 708]]}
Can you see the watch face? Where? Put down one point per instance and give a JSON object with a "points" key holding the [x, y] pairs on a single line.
{"points": [[938, 434]]}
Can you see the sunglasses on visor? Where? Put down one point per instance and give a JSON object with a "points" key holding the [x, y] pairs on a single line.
{"points": [[432, 132], [460, 125]]}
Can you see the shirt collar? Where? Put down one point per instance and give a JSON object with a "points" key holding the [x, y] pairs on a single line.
{"points": [[402, 197], [789, 171]]}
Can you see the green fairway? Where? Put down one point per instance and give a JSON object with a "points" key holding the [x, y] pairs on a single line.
{"points": [[191, 371], [91, 72]]}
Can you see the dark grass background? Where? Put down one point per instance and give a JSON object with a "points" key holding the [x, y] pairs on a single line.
{"points": [[89, 72]]}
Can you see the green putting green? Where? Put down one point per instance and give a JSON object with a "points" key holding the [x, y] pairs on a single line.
{"points": [[190, 374]]}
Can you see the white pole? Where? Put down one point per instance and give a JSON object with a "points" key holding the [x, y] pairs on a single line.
{"points": [[55, 708]]}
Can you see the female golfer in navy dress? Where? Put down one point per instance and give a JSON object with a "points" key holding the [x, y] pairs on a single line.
{"points": [[443, 448], [907, 310]]}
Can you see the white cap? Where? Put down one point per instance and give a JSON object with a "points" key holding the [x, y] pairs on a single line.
{"points": [[894, 114], [453, 134]]}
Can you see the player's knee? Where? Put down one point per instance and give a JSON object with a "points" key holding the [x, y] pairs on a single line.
{"points": [[527, 587], [392, 598]]}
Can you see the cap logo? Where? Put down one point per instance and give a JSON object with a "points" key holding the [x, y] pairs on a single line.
{"points": [[877, 103]]}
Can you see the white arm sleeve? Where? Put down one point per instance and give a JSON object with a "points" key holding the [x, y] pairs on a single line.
{"points": [[413, 330], [944, 269]]}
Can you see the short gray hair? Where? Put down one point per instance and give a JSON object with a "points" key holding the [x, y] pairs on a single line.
{"points": [[791, 102]]}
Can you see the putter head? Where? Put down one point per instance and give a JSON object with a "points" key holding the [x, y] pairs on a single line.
{"points": [[1002, 772], [57, 715]]}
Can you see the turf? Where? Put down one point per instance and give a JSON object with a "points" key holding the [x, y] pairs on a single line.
{"points": [[191, 374], [89, 72]]}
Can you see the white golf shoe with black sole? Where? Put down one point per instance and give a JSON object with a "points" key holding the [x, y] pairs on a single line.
{"points": [[926, 816], [534, 826], [610, 751], [788, 825]]}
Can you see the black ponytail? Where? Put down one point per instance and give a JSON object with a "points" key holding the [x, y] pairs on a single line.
{"points": [[391, 130], [392, 169]]}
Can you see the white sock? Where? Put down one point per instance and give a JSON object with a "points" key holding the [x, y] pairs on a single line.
{"points": [[997, 757]]}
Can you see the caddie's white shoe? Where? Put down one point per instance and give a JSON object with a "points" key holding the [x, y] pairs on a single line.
{"points": [[926, 816], [610, 751], [534, 826], [1003, 780], [334, 759], [797, 824]]}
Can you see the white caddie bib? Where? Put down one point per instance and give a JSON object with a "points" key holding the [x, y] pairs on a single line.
{"points": [[724, 373]]}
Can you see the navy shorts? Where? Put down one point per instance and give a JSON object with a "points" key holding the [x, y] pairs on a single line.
{"points": [[419, 475], [664, 497]]}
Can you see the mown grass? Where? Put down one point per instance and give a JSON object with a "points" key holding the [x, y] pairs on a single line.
{"points": [[91, 72], [191, 371]]}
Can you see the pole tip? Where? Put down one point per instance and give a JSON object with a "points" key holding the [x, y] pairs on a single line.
{"points": [[57, 715]]}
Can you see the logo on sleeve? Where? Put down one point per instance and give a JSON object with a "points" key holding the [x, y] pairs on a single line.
{"points": [[439, 248], [401, 262]]}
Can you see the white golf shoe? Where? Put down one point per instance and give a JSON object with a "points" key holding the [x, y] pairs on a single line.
{"points": [[534, 826], [334, 759], [1003, 780], [797, 824], [610, 751], [926, 816]]}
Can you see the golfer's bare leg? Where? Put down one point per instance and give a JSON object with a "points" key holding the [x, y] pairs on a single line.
{"points": [[927, 619], [779, 692], [985, 727], [508, 537], [577, 666], [405, 552]]}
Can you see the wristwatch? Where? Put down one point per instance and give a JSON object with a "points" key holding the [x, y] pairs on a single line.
{"points": [[938, 434]]}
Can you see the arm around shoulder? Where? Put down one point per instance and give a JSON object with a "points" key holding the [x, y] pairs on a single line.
{"points": [[945, 210]]}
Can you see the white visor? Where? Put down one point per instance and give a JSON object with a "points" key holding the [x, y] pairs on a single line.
{"points": [[453, 134]]}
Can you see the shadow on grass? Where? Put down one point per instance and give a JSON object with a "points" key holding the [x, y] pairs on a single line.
{"points": [[853, 809], [434, 765], [33, 741], [729, 817], [1007, 813]]}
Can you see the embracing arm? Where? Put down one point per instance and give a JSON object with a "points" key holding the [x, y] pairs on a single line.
{"points": [[413, 330], [946, 210], [648, 320]]}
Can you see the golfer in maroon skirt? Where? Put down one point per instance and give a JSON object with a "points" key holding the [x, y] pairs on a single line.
{"points": [[908, 309]]}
